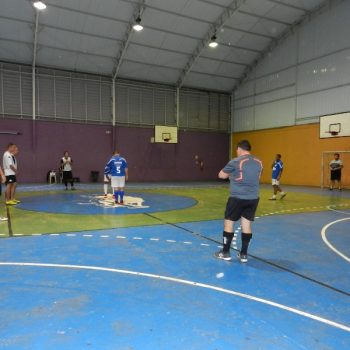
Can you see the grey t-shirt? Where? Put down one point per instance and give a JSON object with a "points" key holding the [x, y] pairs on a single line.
{"points": [[244, 177]]}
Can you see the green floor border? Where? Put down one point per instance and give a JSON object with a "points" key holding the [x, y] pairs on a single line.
{"points": [[210, 206]]}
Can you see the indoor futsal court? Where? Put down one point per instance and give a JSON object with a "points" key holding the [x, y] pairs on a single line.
{"points": [[127, 130]]}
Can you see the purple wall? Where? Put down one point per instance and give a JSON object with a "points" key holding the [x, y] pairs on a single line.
{"points": [[43, 143]]}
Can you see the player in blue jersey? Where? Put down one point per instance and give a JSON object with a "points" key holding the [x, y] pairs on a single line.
{"points": [[277, 170], [117, 168]]}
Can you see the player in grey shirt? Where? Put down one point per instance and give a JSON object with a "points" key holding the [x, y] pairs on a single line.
{"points": [[244, 174]]}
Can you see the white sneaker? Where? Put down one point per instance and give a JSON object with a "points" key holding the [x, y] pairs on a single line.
{"points": [[3, 218], [283, 195]]}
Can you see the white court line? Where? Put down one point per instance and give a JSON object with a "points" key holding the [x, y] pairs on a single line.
{"points": [[154, 239], [190, 283], [137, 238], [337, 211], [325, 240]]}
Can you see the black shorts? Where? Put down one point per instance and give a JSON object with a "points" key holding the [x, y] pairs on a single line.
{"points": [[10, 179], [237, 208], [67, 176], [336, 175]]}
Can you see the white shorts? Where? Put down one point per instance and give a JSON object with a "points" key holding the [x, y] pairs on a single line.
{"points": [[118, 181], [275, 182], [106, 178]]}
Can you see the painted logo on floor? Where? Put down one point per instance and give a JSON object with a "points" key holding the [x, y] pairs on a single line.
{"points": [[109, 202]]}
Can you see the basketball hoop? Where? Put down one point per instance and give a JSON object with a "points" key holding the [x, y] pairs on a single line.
{"points": [[166, 136], [332, 132]]}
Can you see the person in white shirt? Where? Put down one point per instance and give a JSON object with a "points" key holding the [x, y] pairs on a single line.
{"points": [[10, 170], [335, 167], [66, 166], [2, 180]]}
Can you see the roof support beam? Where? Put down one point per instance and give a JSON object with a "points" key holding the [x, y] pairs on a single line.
{"points": [[213, 29], [125, 43], [35, 47]]}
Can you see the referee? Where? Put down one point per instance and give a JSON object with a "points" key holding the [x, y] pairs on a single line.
{"points": [[244, 174]]}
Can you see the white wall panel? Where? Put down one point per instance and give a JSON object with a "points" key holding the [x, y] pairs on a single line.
{"points": [[324, 73], [276, 80], [243, 119], [275, 114], [244, 102], [279, 94], [324, 102]]}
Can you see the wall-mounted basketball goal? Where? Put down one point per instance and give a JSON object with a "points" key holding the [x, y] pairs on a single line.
{"points": [[165, 134], [335, 125]]}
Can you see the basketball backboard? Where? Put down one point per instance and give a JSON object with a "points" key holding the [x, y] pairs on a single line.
{"points": [[165, 134], [335, 125]]}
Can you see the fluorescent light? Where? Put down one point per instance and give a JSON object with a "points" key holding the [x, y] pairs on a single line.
{"points": [[39, 5], [212, 42], [137, 26]]}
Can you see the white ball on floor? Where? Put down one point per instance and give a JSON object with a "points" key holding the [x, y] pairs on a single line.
{"points": [[220, 275]]}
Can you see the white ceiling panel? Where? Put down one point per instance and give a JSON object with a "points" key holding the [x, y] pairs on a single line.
{"points": [[154, 56], [80, 22], [258, 7], [107, 8], [172, 23], [16, 52], [218, 67], [202, 10], [76, 42], [285, 14], [304, 4], [15, 30], [17, 9]]}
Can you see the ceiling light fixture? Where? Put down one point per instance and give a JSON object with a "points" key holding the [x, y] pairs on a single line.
{"points": [[137, 26], [213, 43], [39, 5]]}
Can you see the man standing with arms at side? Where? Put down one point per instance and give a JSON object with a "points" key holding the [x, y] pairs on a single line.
{"points": [[10, 170], [277, 169], [244, 173], [117, 167], [335, 167]]}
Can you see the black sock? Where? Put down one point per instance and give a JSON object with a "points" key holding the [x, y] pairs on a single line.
{"points": [[246, 237], [226, 240]]}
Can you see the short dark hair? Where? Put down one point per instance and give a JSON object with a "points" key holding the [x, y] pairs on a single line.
{"points": [[278, 155], [10, 144], [337, 154], [245, 145]]}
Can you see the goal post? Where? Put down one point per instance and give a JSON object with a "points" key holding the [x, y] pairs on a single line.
{"points": [[326, 158]]}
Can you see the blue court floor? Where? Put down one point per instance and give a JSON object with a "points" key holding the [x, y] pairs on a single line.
{"points": [[159, 287]]}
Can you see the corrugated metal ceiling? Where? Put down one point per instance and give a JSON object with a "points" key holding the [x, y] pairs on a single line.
{"points": [[95, 36]]}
